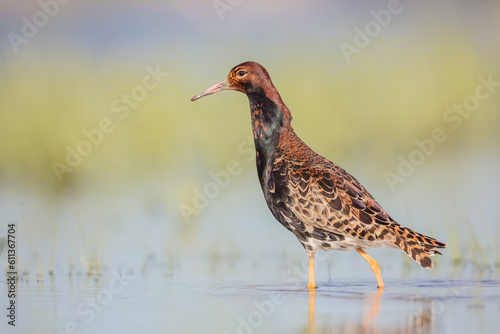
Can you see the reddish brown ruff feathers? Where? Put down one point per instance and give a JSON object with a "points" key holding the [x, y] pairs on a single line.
{"points": [[323, 205]]}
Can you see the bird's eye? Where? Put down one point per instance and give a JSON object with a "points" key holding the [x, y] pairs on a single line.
{"points": [[241, 73]]}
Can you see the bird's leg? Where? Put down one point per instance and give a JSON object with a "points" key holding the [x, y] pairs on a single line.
{"points": [[312, 280], [373, 266]]}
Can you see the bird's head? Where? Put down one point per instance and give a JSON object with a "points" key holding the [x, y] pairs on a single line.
{"points": [[245, 77]]}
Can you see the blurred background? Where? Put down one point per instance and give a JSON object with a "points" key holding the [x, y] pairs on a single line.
{"points": [[105, 162]]}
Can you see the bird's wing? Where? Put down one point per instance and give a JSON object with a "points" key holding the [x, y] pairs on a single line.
{"points": [[329, 202], [325, 196]]}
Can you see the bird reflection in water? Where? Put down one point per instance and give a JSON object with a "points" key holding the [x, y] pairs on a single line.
{"points": [[419, 321], [311, 327]]}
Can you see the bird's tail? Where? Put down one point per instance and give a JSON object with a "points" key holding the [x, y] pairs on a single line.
{"points": [[418, 246]]}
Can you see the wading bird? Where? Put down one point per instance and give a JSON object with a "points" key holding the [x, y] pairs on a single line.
{"points": [[319, 202]]}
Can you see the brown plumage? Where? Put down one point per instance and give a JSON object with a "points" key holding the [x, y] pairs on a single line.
{"points": [[336, 206], [323, 205]]}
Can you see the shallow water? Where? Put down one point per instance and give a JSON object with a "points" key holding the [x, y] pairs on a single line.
{"points": [[127, 302], [118, 263]]}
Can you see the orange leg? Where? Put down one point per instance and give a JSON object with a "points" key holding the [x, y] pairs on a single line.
{"points": [[373, 266], [312, 280]]}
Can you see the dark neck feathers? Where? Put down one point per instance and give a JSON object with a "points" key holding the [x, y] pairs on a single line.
{"points": [[269, 116]]}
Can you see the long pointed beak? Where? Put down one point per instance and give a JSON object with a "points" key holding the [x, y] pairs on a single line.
{"points": [[223, 85]]}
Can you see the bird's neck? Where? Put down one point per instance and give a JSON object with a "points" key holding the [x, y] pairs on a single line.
{"points": [[269, 117]]}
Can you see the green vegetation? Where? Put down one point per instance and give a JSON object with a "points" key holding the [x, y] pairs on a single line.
{"points": [[377, 107]]}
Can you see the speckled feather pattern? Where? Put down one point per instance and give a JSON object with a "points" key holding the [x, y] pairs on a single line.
{"points": [[325, 207]]}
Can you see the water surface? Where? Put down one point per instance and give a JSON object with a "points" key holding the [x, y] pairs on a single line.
{"points": [[128, 302]]}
